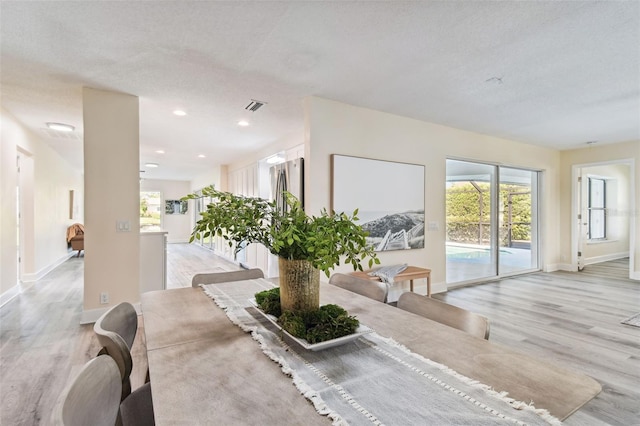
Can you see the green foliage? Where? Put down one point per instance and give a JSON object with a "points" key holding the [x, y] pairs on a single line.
{"points": [[328, 322], [294, 324], [322, 240], [469, 212], [269, 301]]}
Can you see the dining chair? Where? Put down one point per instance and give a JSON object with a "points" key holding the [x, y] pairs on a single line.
{"points": [[93, 397], [375, 290], [137, 408], [116, 329], [221, 277], [446, 314]]}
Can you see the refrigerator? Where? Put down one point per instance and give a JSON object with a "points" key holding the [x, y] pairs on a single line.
{"points": [[288, 176]]}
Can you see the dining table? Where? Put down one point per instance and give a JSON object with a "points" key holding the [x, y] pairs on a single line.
{"points": [[208, 367]]}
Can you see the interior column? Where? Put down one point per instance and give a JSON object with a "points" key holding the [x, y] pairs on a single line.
{"points": [[112, 200]]}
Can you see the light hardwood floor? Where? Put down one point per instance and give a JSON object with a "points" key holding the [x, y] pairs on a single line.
{"points": [[568, 318], [573, 320]]}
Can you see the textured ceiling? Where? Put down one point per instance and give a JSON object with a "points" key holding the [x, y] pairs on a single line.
{"points": [[557, 73]]}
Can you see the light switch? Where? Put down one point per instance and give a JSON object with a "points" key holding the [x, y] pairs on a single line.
{"points": [[123, 226], [434, 226]]}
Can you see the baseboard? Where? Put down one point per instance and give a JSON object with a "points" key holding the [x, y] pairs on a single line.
{"points": [[635, 275], [30, 278], [552, 267], [605, 258], [92, 315], [8, 295]]}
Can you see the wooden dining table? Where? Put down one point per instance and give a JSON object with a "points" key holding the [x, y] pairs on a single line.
{"points": [[206, 370]]}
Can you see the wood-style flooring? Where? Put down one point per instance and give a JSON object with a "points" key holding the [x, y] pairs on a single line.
{"points": [[572, 319]]}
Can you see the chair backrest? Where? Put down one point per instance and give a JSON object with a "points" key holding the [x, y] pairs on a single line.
{"points": [[221, 277], [372, 289], [93, 398], [446, 314], [116, 329]]}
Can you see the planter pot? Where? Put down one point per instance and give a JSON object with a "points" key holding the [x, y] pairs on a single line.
{"points": [[299, 285]]}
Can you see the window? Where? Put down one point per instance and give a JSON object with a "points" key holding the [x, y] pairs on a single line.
{"points": [[150, 215], [597, 209]]}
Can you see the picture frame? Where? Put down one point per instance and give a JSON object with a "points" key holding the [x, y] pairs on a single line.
{"points": [[175, 207], [389, 197]]}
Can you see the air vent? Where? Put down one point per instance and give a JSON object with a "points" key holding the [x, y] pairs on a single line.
{"points": [[254, 105], [55, 134]]}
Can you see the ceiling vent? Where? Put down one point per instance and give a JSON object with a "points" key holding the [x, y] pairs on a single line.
{"points": [[254, 105], [56, 134]]}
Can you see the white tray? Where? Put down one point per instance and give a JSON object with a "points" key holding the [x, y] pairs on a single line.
{"points": [[360, 331]]}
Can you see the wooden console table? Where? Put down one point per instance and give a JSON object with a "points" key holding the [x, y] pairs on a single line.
{"points": [[409, 274]]}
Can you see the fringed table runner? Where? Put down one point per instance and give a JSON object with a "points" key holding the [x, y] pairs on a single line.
{"points": [[373, 380]]}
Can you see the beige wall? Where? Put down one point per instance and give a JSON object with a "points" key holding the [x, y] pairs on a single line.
{"points": [[628, 152], [46, 179], [112, 194], [336, 128], [178, 226]]}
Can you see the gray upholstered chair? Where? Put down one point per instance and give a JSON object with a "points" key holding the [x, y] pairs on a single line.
{"points": [[372, 289], [221, 277], [116, 329], [450, 315], [93, 397]]}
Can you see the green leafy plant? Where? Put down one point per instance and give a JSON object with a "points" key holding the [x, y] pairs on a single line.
{"points": [[292, 234]]}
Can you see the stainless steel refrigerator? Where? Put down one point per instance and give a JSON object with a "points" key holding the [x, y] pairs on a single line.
{"points": [[288, 176]]}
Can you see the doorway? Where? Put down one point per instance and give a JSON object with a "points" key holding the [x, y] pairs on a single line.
{"points": [[491, 221], [602, 226]]}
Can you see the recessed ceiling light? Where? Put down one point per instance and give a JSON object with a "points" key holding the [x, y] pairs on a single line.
{"points": [[61, 127], [180, 112], [201, 156], [160, 151], [151, 165], [243, 123]]}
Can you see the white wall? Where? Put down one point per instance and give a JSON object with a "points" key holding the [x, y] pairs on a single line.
{"points": [[47, 180], [178, 226], [337, 128], [212, 177]]}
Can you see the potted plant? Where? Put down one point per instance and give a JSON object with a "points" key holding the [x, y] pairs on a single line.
{"points": [[305, 245]]}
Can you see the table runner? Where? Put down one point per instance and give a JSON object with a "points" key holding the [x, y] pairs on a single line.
{"points": [[373, 380]]}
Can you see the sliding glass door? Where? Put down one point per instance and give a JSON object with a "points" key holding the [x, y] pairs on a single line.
{"points": [[491, 221], [518, 225]]}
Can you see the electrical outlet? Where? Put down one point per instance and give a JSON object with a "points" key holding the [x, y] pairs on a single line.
{"points": [[104, 298]]}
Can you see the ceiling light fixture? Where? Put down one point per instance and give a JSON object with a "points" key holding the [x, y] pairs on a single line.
{"points": [[179, 113], [160, 151], [243, 123], [591, 142], [152, 165], [61, 127], [201, 156]]}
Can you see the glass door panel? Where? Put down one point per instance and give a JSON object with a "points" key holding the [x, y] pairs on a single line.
{"points": [[518, 221], [470, 241]]}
